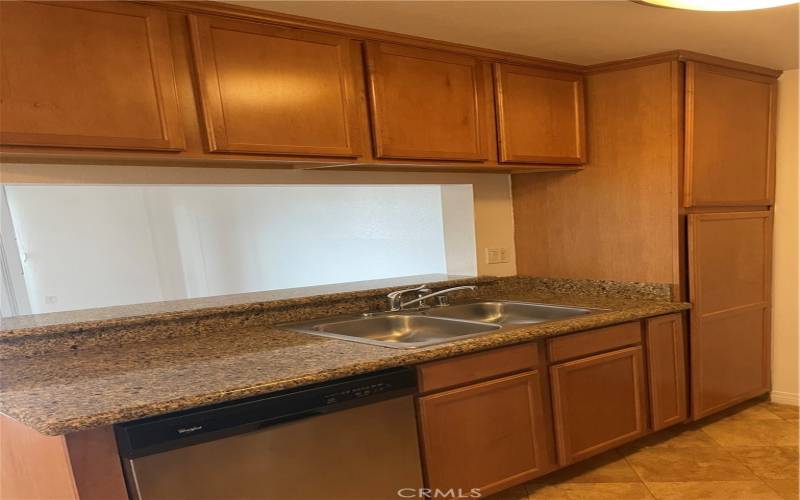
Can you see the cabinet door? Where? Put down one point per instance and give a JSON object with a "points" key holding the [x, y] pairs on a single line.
{"points": [[489, 435], [666, 367], [426, 104], [539, 115], [729, 287], [87, 74], [272, 90], [598, 403], [730, 137]]}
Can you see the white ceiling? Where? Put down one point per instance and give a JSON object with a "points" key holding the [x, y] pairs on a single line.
{"points": [[581, 32]]}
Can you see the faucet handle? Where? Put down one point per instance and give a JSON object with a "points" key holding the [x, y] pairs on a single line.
{"points": [[396, 297], [421, 294]]}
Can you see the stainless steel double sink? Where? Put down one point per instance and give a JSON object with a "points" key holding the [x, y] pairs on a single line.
{"points": [[435, 325]]}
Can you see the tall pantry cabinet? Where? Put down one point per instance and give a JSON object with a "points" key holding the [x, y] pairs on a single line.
{"points": [[728, 193], [678, 189]]}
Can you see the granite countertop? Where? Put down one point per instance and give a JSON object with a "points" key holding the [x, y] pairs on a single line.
{"points": [[101, 384], [135, 314]]}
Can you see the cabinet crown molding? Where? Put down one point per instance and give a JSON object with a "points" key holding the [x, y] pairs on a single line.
{"points": [[492, 55]]}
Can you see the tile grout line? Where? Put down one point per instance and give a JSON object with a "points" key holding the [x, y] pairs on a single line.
{"points": [[652, 494], [709, 436], [760, 479], [752, 471], [782, 417]]}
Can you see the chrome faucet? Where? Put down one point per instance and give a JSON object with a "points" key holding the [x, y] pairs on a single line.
{"points": [[396, 298]]}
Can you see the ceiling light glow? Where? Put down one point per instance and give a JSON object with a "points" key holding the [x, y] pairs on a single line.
{"points": [[719, 5]]}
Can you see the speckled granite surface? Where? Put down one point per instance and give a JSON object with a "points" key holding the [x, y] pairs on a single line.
{"points": [[32, 335], [108, 380], [135, 314]]}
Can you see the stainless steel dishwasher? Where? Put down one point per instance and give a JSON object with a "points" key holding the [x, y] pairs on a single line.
{"points": [[353, 438]]}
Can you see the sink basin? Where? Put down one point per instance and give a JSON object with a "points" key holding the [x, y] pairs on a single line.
{"points": [[423, 327], [395, 330], [507, 313]]}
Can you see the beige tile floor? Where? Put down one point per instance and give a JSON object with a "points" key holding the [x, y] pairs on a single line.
{"points": [[747, 453]]}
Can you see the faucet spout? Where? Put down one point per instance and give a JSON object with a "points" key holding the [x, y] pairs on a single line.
{"points": [[434, 294]]}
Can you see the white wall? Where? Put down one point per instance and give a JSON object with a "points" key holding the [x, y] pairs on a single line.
{"points": [[493, 210], [73, 242], [785, 273], [13, 300], [252, 238], [92, 246]]}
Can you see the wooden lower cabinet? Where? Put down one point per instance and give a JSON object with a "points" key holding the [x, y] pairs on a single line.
{"points": [[598, 403], [83, 465], [730, 360], [490, 435], [730, 262], [666, 370]]}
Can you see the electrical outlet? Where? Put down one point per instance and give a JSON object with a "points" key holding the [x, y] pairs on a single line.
{"points": [[496, 255], [504, 255], [50, 299]]}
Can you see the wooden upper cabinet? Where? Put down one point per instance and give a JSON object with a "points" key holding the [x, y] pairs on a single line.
{"points": [[539, 115], [273, 90], [88, 75], [730, 137], [666, 367], [426, 104], [729, 286]]}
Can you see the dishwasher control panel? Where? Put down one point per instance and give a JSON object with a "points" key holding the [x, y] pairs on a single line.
{"points": [[176, 430], [359, 392]]}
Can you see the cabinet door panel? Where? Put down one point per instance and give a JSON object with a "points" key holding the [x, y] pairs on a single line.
{"points": [[489, 435], [274, 90], [426, 104], [729, 286], [730, 137], [87, 74], [730, 359], [598, 403], [666, 367], [729, 260], [540, 115]]}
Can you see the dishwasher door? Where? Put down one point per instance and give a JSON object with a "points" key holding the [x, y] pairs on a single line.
{"points": [[364, 452]]}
